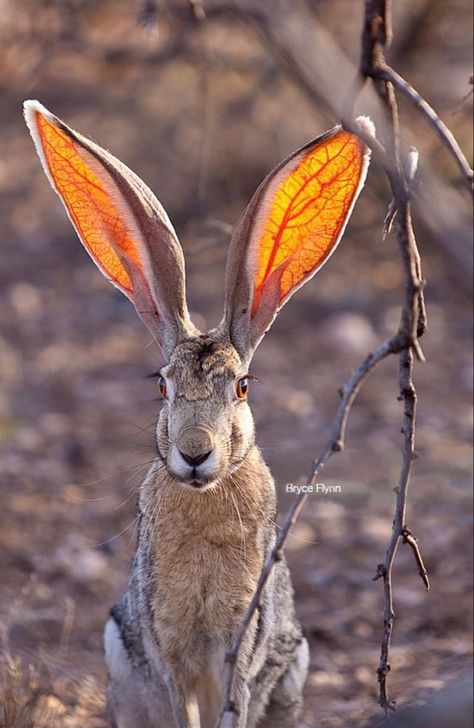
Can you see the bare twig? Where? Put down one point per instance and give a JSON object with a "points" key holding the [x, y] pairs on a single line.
{"points": [[464, 98], [388, 74], [349, 392], [413, 543], [412, 323], [376, 36], [197, 9], [286, 34]]}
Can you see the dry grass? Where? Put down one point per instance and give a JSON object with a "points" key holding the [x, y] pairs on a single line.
{"points": [[76, 410]]}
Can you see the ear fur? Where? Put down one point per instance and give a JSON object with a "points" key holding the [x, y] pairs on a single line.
{"points": [[292, 225], [120, 222]]}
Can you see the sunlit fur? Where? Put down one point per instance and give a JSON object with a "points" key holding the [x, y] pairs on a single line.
{"points": [[200, 552], [207, 505], [202, 412]]}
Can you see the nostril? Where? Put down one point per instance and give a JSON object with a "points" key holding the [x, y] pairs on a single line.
{"points": [[195, 460]]}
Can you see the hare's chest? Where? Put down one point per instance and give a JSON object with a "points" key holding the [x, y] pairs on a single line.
{"points": [[202, 585]]}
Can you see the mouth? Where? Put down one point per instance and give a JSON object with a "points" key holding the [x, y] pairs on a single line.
{"points": [[193, 481], [191, 477], [196, 482], [197, 485]]}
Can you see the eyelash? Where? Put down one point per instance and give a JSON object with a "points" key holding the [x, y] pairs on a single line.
{"points": [[154, 375]]}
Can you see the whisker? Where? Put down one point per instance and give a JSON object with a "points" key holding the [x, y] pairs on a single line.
{"points": [[243, 543], [117, 535], [78, 499]]}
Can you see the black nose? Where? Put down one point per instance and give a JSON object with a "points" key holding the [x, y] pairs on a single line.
{"points": [[196, 459]]}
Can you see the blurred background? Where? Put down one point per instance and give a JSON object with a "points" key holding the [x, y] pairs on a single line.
{"points": [[202, 110]]}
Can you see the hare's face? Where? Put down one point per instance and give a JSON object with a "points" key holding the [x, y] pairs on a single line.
{"points": [[205, 428]]}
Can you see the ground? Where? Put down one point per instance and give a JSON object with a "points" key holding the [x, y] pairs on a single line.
{"points": [[77, 414]]}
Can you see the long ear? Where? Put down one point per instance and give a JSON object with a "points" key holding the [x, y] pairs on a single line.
{"points": [[120, 222], [290, 228]]}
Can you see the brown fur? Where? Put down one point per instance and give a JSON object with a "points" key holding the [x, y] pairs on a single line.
{"points": [[206, 552], [207, 504], [203, 551]]}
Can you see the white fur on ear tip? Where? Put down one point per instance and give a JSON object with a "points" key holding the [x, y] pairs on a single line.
{"points": [[31, 108], [366, 125]]}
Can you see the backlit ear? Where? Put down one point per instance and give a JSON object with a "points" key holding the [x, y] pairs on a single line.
{"points": [[120, 222], [290, 228]]}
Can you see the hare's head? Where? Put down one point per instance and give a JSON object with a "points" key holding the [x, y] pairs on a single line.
{"points": [[290, 228]]}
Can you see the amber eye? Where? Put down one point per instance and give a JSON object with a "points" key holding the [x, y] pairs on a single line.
{"points": [[242, 388], [162, 386]]}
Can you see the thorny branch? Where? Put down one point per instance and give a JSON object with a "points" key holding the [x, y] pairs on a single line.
{"points": [[335, 444], [387, 74], [400, 172], [282, 35], [376, 37], [413, 319]]}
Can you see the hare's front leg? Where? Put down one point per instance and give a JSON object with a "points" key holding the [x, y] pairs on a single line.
{"points": [[185, 705], [124, 706], [285, 707], [136, 695], [238, 718]]}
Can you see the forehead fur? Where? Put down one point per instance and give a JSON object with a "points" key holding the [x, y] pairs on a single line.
{"points": [[198, 364]]}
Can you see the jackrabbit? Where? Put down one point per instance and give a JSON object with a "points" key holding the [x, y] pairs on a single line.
{"points": [[207, 505]]}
